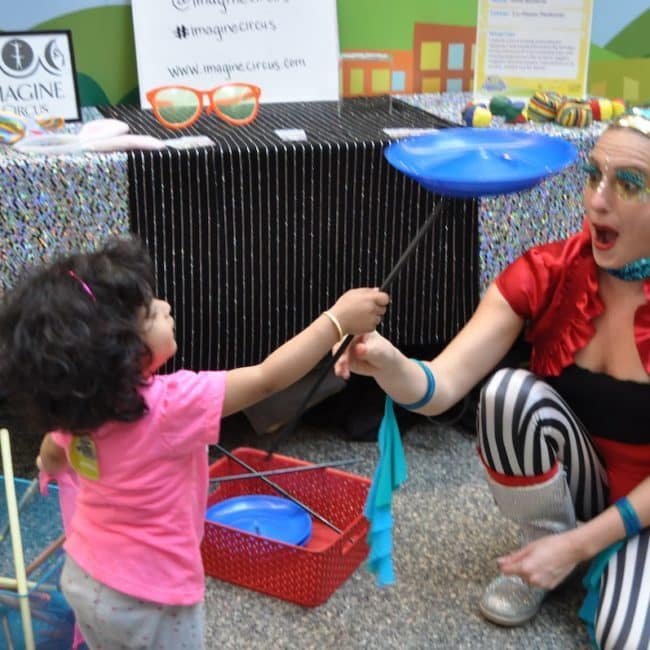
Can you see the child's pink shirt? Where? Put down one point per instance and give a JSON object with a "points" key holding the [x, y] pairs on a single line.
{"points": [[138, 528]]}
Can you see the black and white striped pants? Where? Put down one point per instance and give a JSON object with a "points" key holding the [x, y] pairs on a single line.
{"points": [[525, 427]]}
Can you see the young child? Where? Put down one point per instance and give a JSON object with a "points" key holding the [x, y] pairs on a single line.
{"points": [[80, 343]]}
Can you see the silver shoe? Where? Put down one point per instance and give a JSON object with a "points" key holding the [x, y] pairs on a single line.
{"points": [[509, 601], [540, 509]]}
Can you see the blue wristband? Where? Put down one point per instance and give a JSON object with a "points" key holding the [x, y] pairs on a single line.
{"points": [[629, 516], [431, 387]]}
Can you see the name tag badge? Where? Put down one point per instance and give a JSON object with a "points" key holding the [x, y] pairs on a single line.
{"points": [[83, 457]]}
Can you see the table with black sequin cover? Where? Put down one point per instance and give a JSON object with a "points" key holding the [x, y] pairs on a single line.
{"points": [[255, 236]]}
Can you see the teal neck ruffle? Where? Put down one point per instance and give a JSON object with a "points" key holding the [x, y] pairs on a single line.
{"points": [[637, 270]]}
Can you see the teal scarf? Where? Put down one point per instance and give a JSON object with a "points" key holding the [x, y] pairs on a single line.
{"points": [[390, 473]]}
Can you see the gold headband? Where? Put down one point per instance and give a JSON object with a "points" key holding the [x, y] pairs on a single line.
{"points": [[634, 121]]}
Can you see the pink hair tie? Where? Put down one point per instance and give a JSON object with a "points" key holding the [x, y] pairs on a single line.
{"points": [[84, 286]]}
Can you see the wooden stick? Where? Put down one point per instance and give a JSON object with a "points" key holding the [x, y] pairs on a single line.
{"points": [[45, 554], [279, 489], [7, 633], [40, 614], [26, 497], [11, 584], [16, 541]]}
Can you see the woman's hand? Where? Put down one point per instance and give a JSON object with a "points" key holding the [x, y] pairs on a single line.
{"points": [[544, 563], [368, 354]]}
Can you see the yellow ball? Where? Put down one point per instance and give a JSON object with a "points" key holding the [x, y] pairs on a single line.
{"points": [[482, 116], [618, 107]]}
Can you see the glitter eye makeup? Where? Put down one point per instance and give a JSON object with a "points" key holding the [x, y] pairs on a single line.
{"points": [[629, 184], [594, 175]]}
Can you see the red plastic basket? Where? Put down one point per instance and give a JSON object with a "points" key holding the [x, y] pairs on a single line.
{"points": [[306, 575]]}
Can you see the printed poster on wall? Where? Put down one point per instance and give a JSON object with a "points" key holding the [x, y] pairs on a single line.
{"points": [[527, 45], [289, 48]]}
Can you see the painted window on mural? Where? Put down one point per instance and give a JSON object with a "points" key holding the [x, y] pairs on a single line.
{"points": [[455, 56], [431, 85], [398, 81], [356, 81], [380, 81], [430, 55]]}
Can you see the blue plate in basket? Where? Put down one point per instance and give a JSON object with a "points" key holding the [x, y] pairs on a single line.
{"points": [[471, 162], [273, 517]]}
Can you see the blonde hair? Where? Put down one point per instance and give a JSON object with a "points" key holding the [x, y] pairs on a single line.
{"points": [[635, 121]]}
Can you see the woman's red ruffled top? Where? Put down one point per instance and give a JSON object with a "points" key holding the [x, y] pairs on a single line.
{"points": [[555, 288]]}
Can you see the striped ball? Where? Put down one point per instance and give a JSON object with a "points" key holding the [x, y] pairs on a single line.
{"points": [[544, 106], [574, 113], [12, 127], [601, 109]]}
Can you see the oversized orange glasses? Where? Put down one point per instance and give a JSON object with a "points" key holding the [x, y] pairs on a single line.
{"points": [[177, 107]]}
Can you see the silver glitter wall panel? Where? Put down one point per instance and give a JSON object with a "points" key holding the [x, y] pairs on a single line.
{"points": [[253, 237], [50, 205]]}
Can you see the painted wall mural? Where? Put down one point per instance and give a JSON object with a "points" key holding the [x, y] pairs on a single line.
{"points": [[387, 47]]}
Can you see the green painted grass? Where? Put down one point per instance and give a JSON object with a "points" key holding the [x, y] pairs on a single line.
{"points": [[104, 49]]}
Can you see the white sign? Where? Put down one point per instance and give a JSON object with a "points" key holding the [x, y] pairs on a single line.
{"points": [[289, 48], [37, 74], [527, 45]]}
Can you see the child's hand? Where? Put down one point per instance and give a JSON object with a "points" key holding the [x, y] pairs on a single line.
{"points": [[51, 458], [360, 310], [367, 355]]}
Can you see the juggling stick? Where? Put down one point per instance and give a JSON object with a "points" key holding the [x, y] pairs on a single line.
{"points": [[284, 470], [279, 489], [463, 163], [410, 249]]}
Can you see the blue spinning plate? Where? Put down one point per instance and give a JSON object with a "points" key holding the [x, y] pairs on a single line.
{"points": [[471, 162], [269, 516]]}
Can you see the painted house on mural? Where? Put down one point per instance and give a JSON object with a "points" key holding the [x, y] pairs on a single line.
{"points": [[441, 61], [387, 47]]}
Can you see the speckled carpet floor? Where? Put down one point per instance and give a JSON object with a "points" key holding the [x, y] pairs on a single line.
{"points": [[447, 535]]}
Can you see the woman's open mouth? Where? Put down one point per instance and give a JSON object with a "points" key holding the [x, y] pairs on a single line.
{"points": [[604, 237]]}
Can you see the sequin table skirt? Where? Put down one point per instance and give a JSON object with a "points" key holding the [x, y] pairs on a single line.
{"points": [[61, 203]]}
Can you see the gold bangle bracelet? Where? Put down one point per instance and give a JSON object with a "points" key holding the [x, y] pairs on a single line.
{"points": [[335, 322]]}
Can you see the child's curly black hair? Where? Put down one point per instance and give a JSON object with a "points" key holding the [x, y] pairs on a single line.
{"points": [[70, 359]]}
